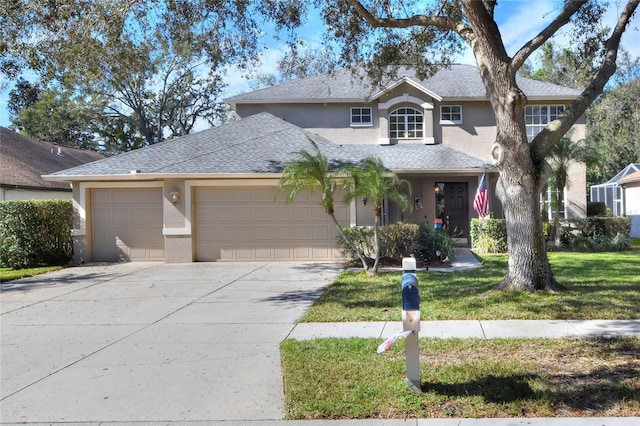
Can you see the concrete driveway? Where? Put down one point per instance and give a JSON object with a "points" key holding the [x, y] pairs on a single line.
{"points": [[151, 342]]}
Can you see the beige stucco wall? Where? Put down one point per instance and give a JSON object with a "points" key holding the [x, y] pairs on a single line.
{"points": [[475, 135], [178, 239]]}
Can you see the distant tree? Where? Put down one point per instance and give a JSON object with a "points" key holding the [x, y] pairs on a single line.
{"points": [[613, 131], [60, 118], [116, 135], [312, 171], [562, 66], [299, 61], [23, 95], [373, 181]]}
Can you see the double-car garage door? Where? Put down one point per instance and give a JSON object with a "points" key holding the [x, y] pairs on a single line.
{"points": [[247, 224], [228, 224]]}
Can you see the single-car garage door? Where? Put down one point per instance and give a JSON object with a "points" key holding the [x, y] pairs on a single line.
{"points": [[247, 224], [126, 224]]}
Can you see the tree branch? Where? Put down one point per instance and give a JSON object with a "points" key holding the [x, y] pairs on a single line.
{"points": [[544, 142], [532, 45], [413, 21]]}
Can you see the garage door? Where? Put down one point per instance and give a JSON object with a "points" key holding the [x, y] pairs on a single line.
{"points": [[126, 224], [247, 224]]}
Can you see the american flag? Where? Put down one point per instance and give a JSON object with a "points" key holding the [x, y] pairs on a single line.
{"points": [[481, 202]]}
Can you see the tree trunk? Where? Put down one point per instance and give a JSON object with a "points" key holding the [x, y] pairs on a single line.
{"points": [[345, 238], [518, 188], [376, 241]]}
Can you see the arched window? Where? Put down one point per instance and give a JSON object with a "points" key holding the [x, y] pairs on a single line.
{"points": [[406, 123]]}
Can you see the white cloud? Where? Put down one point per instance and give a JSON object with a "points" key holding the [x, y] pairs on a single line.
{"points": [[520, 21]]}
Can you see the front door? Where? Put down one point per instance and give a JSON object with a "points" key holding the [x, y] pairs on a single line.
{"points": [[456, 210]]}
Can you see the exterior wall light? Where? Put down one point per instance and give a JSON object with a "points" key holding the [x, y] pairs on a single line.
{"points": [[436, 188], [175, 196]]}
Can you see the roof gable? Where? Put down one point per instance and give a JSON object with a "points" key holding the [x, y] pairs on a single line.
{"points": [[411, 82]]}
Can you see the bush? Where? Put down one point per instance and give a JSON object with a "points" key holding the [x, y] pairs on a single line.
{"points": [[35, 233], [430, 242], [596, 227], [399, 240], [362, 237], [489, 234], [596, 208]]}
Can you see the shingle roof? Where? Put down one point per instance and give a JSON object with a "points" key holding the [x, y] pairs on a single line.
{"points": [[263, 143], [23, 160], [456, 82]]}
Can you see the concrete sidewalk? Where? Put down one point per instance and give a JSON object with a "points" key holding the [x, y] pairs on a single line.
{"points": [[473, 329]]}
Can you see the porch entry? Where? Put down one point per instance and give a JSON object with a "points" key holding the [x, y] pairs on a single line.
{"points": [[452, 206]]}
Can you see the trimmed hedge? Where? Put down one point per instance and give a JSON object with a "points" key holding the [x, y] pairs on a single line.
{"points": [[35, 233], [591, 233]]}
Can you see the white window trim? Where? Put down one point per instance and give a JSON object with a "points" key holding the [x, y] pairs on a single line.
{"points": [[407, 138], [549, 120], [361, 124], [450, 121]]}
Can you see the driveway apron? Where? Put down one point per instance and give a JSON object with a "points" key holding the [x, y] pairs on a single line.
{"points": [[151, 342]]}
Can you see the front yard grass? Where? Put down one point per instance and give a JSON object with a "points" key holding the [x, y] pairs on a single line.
{"points": [[597, 286], [346, 378], [8, 274]]}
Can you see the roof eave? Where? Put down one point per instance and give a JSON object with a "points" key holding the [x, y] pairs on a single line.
{"points": [[159, 176], [296, 101]]}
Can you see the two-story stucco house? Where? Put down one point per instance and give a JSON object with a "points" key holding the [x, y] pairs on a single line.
{"points": [[210, 195]]}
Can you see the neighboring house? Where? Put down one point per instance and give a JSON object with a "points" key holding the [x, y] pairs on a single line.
{"points": [[611, 193], [23, 161], [631, 200], [210, 195]]}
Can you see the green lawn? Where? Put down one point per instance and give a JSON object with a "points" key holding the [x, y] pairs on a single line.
{"points": [[8, 274], [597, 286], [346, 378]]}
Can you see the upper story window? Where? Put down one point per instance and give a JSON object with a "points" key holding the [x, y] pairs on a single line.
{"points": [[406, 123], [451, 114], [537, 117], [361, 116]]}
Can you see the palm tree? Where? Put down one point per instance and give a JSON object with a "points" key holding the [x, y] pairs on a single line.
{"points": [[564, 154], [311, 171], [373, 182]]}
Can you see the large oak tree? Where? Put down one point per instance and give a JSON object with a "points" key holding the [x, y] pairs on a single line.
{"points": [[402, 32], [65, 39]]}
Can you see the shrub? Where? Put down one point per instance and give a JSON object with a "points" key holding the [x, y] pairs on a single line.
{"points": [[399, 240], [596, 227], [487, 233], [487, 244], [596, 208], [430, 242], [35, 233], [362, 237]]}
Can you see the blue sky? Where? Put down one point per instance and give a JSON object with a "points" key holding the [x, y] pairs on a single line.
{"points": [[519, 21]]}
